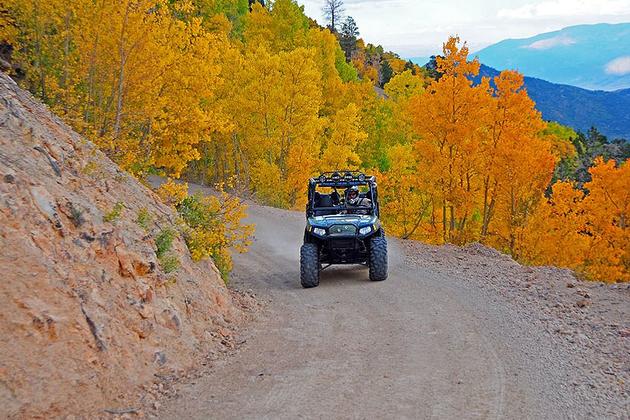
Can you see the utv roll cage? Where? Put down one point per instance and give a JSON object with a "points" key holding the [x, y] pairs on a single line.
{"points": [[334, 203]]}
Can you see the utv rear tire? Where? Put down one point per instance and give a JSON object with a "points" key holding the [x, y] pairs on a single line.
{"points": [[309, 265], [378, 258]]}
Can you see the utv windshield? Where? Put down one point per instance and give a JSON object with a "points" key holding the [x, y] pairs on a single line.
{"points": [[345, 196]]}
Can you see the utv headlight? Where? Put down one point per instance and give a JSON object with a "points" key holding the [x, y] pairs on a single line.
{"points": [[319, 231], [365, 230]]}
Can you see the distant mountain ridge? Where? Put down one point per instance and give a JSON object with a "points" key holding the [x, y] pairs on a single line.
{"points": [[576, 107], [595, 57]]}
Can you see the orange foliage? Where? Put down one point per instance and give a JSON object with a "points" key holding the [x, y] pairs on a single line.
{"points": [[586, 232], [266, 98], [450, 121]]}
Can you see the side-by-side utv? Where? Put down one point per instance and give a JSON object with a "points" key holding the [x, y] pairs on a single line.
{"points": [[342, 226]]}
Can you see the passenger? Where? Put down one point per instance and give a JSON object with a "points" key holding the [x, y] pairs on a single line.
{"points": [[353, 199]]}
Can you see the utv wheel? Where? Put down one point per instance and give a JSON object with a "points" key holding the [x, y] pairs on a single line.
{"points": [[309, 265], [378, 258]]}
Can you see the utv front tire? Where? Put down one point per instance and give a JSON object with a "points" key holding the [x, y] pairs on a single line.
{"points": [[378, 258], [309, 265]]}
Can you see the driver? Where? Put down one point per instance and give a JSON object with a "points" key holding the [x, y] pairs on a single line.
{"points": [[353, 199]]}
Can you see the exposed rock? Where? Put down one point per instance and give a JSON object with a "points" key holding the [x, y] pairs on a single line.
{"points": [[85, 306], [583, 293], [582, 303], [160, 358]]}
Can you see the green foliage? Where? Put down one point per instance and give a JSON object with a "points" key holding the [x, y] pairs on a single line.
{"points": [[432, 68], [169, 263], [144, 218], [234, 10], [562, 139], [588, 146], [348, 37], [561, 131], [164, 241], [163, 244], [346, 71], [114, 213], [386, 72]]}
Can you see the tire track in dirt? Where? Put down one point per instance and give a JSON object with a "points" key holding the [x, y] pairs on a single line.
{"points": [[414, 346]]}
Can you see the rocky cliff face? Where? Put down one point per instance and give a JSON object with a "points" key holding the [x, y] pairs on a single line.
{"points": [[87, 313]]}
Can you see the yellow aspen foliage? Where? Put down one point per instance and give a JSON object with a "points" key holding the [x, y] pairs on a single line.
{"points": [[212, 226], [43, 37], [346, 134], [554, 232], [404, 206], [327, 56], [172, 193], [135, 80], [397, 64], [267, 184], [517, 163], [282, 27], [404, 85], [277, 119]]}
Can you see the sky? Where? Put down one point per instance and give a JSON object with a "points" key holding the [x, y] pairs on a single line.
{"points": [[415, 28]]}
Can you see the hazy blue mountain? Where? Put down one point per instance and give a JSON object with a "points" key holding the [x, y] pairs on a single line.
{"points": [[421, 61], [588, 56], [578, 108]]}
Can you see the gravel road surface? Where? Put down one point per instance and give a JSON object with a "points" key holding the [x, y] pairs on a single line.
{"points": [[451, 334]]}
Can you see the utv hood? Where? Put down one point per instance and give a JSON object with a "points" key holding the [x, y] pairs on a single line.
{"points": [[357, 220]]}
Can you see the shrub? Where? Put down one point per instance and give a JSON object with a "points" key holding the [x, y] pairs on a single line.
{"points": [[144, 219], [169, 262], [115, 213], [76, 215], [213, 226], [172, 193], [164, 242]]}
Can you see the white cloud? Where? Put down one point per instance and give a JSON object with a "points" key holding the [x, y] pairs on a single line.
{"points": [[418, 28], [556, 41], [566, 8], [619, 66]]}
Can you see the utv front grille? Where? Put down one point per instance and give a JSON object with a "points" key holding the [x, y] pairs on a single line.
{"points": [[342, 244], [342, 230]]}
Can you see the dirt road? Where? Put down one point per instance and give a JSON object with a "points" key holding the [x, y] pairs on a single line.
{"points": [[420, 345]]}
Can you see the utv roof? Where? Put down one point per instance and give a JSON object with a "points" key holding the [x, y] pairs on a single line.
{"points": [[342, 179]]}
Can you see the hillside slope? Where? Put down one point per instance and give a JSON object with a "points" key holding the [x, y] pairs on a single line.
{"points": [[588, 56], [578, 108], [88, 316]]}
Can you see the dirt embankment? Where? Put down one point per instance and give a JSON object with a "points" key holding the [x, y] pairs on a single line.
{"points": [[89, 318]]}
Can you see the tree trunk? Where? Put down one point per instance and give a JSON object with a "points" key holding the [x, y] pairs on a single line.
{"points": [[121, 74]]}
